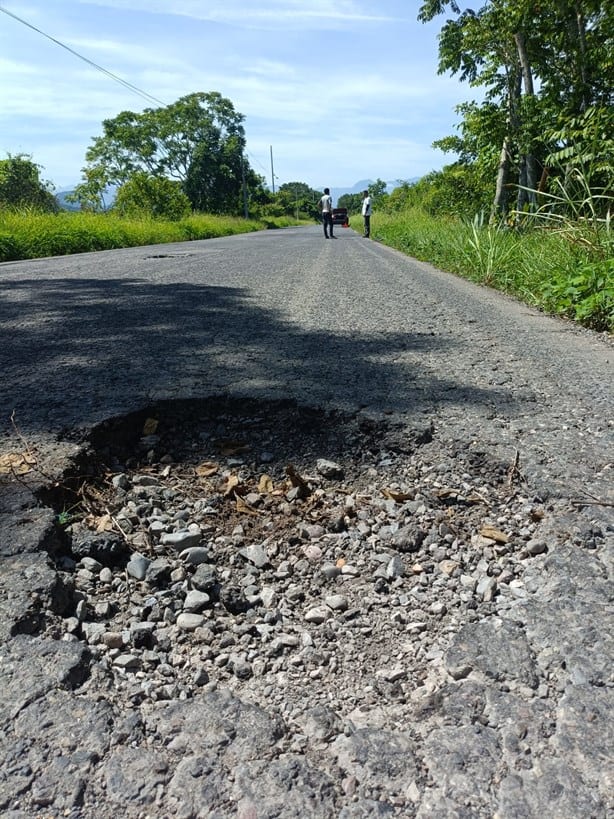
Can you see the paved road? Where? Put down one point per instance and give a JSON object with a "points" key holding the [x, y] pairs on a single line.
{"points": [[286, 313], [520, 718]]}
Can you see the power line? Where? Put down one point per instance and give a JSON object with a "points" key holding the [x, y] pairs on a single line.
{"points": [[110, 74], [256, 160]]}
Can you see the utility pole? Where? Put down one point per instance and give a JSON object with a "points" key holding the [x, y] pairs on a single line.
{"points": [[244, 188], [272, 174]]}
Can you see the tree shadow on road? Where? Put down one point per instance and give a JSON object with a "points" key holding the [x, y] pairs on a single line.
{"points": [[83, 350]]}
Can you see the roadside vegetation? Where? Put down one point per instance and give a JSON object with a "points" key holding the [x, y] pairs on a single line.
{"points": [[558, 257], [30, 235], [561, 273], [526, 205]]}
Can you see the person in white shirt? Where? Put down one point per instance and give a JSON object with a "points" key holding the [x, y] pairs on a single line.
{"points": [[326, 209], [366, 213]]}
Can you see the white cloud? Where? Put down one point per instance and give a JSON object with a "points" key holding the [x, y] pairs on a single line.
{"points": [[274, 14], [342, 90]]}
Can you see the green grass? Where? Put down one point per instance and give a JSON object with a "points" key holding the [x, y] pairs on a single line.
{"points": [[31, 235], [569, 272]]}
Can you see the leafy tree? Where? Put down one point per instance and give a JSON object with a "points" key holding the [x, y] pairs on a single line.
{"points": [[198, 140], [146, 195], [456, 190], [21, 185], [90, 193], [297, 197], [378, 193], [403, 197], [541, 62], [351, 201], [587, 142]]}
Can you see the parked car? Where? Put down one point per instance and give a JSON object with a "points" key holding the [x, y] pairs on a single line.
{"points": [[340, 217]]}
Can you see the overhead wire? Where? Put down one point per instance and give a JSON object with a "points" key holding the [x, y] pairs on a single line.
{"points": [[72, 51], [110, 74]]}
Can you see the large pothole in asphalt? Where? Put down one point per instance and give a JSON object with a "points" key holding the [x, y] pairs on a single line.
{"points": [[290, 553]]}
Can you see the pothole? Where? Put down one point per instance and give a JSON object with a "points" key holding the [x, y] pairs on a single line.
{"points": [[296, 555]]}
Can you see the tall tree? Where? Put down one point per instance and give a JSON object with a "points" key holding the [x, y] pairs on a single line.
{"points": [[505, 46], [198, 140]]}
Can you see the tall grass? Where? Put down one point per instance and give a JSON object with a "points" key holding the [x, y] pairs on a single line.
{"points": [[568, 271], [31, 235]]}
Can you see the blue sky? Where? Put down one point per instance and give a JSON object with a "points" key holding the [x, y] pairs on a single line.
{"points": [[343, 90]]}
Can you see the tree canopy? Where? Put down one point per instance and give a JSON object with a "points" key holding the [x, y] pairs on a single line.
{"points": [[198, 141], [21, 185], [298, 197], [147, 195], [543, 64], [377, 192]]}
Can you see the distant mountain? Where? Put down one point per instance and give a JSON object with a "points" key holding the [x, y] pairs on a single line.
{"points": [[363, 185], [61, 197], [65, 205]]}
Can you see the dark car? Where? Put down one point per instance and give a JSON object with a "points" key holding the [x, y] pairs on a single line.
{"points": [[340, 216]]}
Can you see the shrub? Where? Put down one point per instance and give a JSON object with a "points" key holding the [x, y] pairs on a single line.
{"points": [[144, 195]]}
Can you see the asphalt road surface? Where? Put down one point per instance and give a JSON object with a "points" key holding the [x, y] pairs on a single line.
{"points": [[512, 714], [285, 313]]}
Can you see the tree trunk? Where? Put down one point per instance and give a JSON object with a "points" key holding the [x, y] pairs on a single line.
{"points": [[499, 205], [528, 165], [581, 32], [500, 202]]}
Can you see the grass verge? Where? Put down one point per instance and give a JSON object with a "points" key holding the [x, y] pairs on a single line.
{"points": [[28, 235], [569, 273]]}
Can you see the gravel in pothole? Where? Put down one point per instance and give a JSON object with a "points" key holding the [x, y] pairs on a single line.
{"points": [[297, 557]]}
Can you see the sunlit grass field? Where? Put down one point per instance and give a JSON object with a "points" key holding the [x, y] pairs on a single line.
{"points": [[31, 235]]}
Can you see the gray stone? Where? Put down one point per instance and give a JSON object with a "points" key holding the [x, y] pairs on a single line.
{"points": [[336, 602], [408, 538], [129, 662], [256, 555], [241, 669], [187, 621], [137, 566], [330, 571], [321, 723], [486, 588], [195, 555], [182, 540], [329, 469], [158, 572], [395, 567], [317, 614], [120, 481], [195, 600], [204, 578]]}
